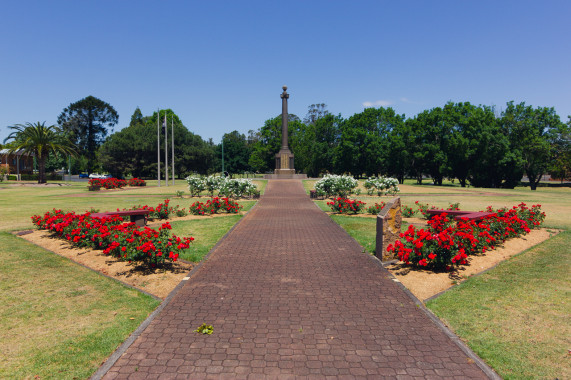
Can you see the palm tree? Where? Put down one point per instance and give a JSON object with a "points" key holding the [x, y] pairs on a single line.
{"points": [[40, 141]]}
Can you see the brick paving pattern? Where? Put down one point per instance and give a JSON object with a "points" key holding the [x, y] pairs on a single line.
{"points": [[291, 295]]}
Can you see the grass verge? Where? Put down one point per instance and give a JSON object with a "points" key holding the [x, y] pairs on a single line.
{"points": [[60, 320], [206, 233], [516, 316]]}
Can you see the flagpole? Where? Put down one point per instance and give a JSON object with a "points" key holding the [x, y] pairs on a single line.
{"points": [[159, 147], [172, 146], [166, 151]]}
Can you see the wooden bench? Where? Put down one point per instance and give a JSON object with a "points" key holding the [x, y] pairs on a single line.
{"points": [[457, 214], [139, 217]]}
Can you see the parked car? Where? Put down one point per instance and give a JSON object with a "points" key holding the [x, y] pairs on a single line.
{"points": [[83, 175], [96, 176]]}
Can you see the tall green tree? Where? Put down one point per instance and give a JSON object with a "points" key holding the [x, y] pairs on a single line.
{"points": [[87, 122], [316, 143], [137, 117], [364, 141], [236, 152], [133, 150], [531, 133], [401, 151], [268, 142], [40, 140], [432, 138], [467, 125], [560, 166], [315, 112]]}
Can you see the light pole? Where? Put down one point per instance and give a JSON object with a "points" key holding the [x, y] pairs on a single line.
{"points": [[222, 155]]}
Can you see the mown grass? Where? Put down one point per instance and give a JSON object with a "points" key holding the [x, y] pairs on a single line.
{"points": [[514, 316], [206, 232], [60, 320]]}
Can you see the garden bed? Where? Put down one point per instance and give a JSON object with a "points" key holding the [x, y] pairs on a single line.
{"points": [[425, 283], [156, 281]]}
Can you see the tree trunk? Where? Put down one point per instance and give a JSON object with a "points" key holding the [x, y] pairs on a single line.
{"points": [[42, 170], [534, 180]]}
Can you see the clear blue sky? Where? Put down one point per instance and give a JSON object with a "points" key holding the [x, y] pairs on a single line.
{"points": [[221, 65]]}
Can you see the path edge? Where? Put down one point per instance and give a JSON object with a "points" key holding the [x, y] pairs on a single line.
{"points": [[489, 371], [123, 347], [439, 324]]}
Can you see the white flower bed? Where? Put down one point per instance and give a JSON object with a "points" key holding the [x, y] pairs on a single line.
{"points": [[226, 186], [382, 185], [339, 185]]}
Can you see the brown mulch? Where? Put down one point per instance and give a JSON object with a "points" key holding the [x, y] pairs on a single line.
{"points": [[425, 283], [156, 281]]}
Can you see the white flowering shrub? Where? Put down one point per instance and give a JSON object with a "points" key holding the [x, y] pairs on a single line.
{"points": [[237, 187], [335, 185], [196, 184], [213, 183], [381, 185]]}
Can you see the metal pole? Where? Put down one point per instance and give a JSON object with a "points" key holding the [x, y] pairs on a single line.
{"points": [[172, 147], [69, 167], [159, 147], [222, 155], [166, 151]]}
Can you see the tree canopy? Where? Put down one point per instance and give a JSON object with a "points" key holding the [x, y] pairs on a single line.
{"points": [[40, 140], [87, 122], [133, 150]]}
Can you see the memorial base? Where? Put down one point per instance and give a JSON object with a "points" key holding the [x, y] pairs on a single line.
{"points": [[285, 174]]}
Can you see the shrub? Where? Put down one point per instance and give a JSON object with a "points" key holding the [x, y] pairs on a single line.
{"points": [[346, 206], [407, 212], [214, 206], [226, 187], [237, 187], [108, 183], [381, 185], [423, 207], [335, 185], [3, 172], [125, 241], [196, 185], [376, 209], [197, 208], [213, 183], [137, 182], [162, 211], [446, 242]]}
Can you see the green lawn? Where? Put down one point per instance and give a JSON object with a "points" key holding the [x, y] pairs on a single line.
{"points": [[515, 316], [59, 320]]}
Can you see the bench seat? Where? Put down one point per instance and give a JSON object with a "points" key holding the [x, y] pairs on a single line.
{"points": [[470, 215], [139, 217]]}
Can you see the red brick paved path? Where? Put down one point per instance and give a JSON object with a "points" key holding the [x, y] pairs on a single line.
{"points": [[290, 294]]}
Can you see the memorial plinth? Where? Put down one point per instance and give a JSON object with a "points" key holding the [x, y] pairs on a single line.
{"points": [[284, 158]]}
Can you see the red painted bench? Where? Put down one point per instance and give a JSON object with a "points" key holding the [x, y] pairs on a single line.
{"points": [[139, 217], [470, 215]]}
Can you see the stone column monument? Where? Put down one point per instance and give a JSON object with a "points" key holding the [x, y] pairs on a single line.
{"points": [[284, 158]]}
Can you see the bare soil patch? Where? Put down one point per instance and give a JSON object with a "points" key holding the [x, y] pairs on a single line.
{"points": [[156, 281], [425, 284]]}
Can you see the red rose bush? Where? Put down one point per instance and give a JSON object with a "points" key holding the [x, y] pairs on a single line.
{"points": [[446, 242], [346, 205], [125, 241]]}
